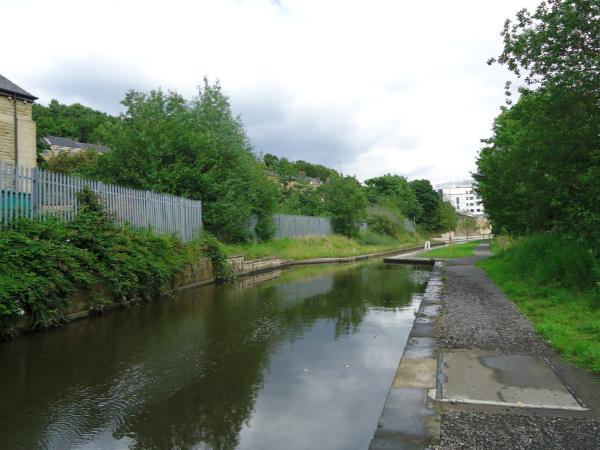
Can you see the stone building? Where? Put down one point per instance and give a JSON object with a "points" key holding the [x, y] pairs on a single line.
{"points": [[58, 145], [17, 128]]}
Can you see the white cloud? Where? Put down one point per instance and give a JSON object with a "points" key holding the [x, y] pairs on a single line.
{"points": [[382, 86]]}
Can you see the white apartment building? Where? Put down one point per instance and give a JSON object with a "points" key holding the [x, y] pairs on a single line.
{"points": [[462, 196]]}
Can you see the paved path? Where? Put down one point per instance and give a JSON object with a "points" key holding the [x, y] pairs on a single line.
{"points": [[478, 317]]}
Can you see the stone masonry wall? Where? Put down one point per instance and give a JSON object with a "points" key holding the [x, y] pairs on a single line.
{"points": [[26, 132]]}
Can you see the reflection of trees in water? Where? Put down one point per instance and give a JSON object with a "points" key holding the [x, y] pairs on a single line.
{"points": [[352, 293], [241, 329], [235, 332]]}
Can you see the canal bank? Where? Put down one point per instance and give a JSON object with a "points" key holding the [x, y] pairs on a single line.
{"points": [[200, 273], [500, 385], [475, 374], [409, 418]]}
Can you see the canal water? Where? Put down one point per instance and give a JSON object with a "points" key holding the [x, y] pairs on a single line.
{"points": [[303, 360]]}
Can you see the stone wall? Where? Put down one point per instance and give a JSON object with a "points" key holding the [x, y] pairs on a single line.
{"points": [[26, 132]]}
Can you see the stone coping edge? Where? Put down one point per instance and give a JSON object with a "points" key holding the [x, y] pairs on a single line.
{"points": [[409, 418]]}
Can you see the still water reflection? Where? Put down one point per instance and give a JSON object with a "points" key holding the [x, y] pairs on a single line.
{"points": [[303, 361]]}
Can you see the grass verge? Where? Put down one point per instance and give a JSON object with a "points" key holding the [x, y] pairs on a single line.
{"points": [[316, 247], [454, 251], [550, 283]]}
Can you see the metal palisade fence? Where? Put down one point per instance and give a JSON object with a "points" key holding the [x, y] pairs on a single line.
{"points": [[37, 194]]}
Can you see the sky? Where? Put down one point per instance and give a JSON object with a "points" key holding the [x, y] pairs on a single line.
{"points": [[365, 87]]}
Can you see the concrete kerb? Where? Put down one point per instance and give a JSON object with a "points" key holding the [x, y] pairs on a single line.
{"points": [[409, 418]]}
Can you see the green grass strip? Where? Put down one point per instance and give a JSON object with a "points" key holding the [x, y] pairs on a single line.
{"points": [[314, 247], [566, 318]]}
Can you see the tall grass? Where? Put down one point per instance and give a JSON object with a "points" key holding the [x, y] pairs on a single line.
{"points": [[554, 282], [551, 261], [319, 247]]}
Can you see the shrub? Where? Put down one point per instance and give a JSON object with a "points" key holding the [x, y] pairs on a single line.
{"points": [[347, 203], [385, 221], [551, 260], [43, 263], [212, 249]]}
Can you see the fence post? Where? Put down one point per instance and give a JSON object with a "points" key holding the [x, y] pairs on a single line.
{"points": [[34, 196]]}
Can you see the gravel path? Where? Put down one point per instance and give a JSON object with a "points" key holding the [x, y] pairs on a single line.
{"points": [[504, 431], [477, 315]]}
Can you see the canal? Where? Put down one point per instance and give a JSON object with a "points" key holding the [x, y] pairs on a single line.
{"points": [[296, 360]]}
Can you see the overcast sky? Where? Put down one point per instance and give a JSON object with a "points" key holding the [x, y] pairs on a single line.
{"points": [[369, 86]]}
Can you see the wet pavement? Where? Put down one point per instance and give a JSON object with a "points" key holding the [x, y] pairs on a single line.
{"points": [[483, 377], [502, 386]]}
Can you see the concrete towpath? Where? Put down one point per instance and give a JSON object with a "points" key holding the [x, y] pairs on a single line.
{"points": [[500, 385]]}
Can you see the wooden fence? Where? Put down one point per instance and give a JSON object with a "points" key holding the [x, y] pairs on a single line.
{"points": [[37, 194]]}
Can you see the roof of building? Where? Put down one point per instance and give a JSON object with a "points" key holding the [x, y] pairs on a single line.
{"points": [[455, 184], [70, 143], [8, 87]]}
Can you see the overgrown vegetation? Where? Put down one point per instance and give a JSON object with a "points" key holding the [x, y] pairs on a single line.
{"points": [[540, 170], [196, 149], [42, 264], [539, 175], [80, 163], [346, 202], [213, 249], [556, 283]]}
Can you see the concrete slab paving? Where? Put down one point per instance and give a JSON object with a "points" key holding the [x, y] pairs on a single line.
{"points": [[429, 310], [420, 348], [483, 377], [416, 373]]}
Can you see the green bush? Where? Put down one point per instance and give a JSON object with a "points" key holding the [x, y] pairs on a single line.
{"points": [[346, 202], [43, 263], [212, 249], [551, 260], [385, 221]]}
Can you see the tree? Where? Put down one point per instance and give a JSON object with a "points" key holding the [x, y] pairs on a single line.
{"points": [[468, 225], [558, 45], [347, 204], [396, 188], [303, 200], [75, 121], [315, 170], [429, 201], [79, 163], [448, 218], [540, 170], [282, 167], [196, 149]]}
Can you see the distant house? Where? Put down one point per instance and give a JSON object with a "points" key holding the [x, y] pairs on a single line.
{"points": [[17, 128], [58, 145], [302, 178]]}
